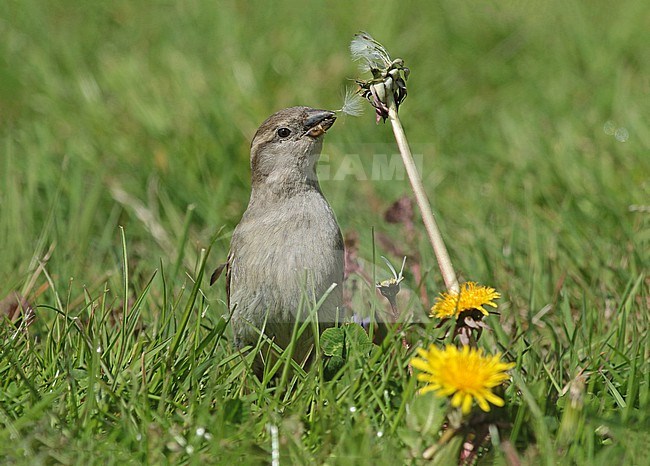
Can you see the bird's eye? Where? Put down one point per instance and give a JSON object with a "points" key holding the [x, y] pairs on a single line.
{"points": [[284, 132]]}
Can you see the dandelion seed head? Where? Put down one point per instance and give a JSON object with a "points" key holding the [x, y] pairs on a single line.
{"points": [[371, 53]]}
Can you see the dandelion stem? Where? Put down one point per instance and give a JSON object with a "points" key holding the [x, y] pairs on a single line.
{"points": [[444, 439], [439, 248]]}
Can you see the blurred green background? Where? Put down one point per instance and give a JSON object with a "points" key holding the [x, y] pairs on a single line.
{"points": [[159, 101]]}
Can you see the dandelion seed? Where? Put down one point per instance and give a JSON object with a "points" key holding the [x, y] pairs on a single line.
{"points": [[380, 434], [352, 103], [464, 375], [353, 409]]}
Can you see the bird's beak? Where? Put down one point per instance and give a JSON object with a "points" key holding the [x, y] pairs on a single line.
{"points": [[318, 122]]}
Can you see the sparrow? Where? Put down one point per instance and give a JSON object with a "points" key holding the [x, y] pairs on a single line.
{"points": [[286, 253]]}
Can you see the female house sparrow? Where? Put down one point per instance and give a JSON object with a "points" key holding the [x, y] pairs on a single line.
{"points": [[287, 250]]}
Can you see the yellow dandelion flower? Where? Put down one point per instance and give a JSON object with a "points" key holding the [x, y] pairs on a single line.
{"points": [[471, 296], [464, 374]]}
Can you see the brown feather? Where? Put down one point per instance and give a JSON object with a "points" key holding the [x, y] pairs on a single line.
{"points": [[217, 273], [228, 274]]}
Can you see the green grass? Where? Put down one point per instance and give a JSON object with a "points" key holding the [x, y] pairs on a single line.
{"points": [[124, 135]]}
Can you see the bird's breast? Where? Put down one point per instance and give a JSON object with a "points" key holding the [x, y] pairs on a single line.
{"points": [[285, 246]]}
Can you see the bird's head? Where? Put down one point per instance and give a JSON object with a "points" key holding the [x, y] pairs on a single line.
{"points": [[287, 145]]}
